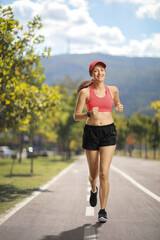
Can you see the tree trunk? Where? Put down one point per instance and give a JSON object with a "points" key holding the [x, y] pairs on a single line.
{"points": [[146, 149], [68, 153], [156, 138], [140, 149], [32, 164], [154, 156], [13, 162], [21, 147], [32, 155], [130, 150]]}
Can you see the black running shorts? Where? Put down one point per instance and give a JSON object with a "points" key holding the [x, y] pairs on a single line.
{"points": [[99, 136]]}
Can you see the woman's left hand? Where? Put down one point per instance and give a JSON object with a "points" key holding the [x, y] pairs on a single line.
{"points": [[119, 107]]}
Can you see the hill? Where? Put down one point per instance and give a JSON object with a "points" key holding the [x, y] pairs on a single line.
{"points": [[138, 79]]}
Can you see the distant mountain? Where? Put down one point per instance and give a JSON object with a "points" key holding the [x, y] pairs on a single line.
{"points": [[138, 79]]}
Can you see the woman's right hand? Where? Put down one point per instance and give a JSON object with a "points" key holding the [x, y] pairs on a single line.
{"points": [[94, 111]]}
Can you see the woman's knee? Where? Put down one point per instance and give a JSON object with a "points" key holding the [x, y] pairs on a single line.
{"points": [[93, 177], [103, 176]]}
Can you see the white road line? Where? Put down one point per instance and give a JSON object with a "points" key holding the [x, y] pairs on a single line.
{"points": [[4, 217], [88, 189], [87, 197], [89, 211], [89, 233], [138, 185]]}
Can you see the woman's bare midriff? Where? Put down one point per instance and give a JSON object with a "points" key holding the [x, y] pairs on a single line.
{"points": [[102, 118]]}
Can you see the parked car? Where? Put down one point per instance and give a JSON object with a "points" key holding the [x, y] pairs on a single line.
{"points": [[5, 151]]}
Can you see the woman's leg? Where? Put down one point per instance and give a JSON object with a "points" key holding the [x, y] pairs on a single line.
{"points": [[106, 154], [92, 158]]}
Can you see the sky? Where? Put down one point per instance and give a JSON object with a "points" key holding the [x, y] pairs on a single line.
{"points": [[116, 27]]}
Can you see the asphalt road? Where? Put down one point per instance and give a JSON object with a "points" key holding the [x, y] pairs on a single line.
{"points": [[62, 211]]}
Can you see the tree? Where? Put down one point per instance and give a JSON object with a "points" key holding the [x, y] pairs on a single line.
{"points": [[23, 96], [122, 129], [154, 135], [156, 105], [145, 131], [138, 128], [65, 122], [20, 67], [69, 132]]}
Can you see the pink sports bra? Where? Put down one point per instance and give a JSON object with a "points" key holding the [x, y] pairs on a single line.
{"points": [[104, 104]]}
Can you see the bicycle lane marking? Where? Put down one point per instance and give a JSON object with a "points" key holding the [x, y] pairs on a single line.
{"points": [[137, 184], [89, 231]]}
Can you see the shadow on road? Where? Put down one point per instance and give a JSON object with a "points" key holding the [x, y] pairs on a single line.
{"points": [[8, 192], [74, 234]]}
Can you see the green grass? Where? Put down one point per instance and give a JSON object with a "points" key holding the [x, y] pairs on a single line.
{"points": [[22, 183]]}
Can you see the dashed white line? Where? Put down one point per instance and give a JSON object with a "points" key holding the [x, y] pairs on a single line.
{"points": [[89, 233], [138, 185], [89, 211], [87, 197]]}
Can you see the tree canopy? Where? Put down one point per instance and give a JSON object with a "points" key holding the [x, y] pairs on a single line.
{"points": [[22, 90]]}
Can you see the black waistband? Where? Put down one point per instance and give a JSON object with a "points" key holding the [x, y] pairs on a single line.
{"points": [[100, 126]]}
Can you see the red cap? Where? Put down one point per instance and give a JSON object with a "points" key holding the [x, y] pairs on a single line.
{"points": [[93, 64]]}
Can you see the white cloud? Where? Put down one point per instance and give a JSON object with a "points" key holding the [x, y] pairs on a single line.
{"points": [[132, 1], [149, 47], [67, 24], [79, 4], [147, 8], [150, 11], [65, 21], [146, 48]]}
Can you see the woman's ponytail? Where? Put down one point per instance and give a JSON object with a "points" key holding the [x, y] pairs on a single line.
{"points": [[84, 84]]}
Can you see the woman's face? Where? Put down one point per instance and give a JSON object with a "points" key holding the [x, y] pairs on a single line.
{"points": [[98, 73]]}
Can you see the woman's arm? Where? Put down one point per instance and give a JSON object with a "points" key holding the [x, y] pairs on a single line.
{"points": [[82, 98], [116, 101]]}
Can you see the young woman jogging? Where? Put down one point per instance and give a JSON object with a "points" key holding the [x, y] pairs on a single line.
{"points": [[99, 137]]}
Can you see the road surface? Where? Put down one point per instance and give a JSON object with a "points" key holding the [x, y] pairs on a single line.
{"points": [[62, 211]]}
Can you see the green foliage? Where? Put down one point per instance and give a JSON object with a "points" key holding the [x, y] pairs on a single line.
{"points": [[68, 132], [23, 96], [137, 131], [138, 125], [153, 133], [122, 129], [65, 120], [156, 105]]}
